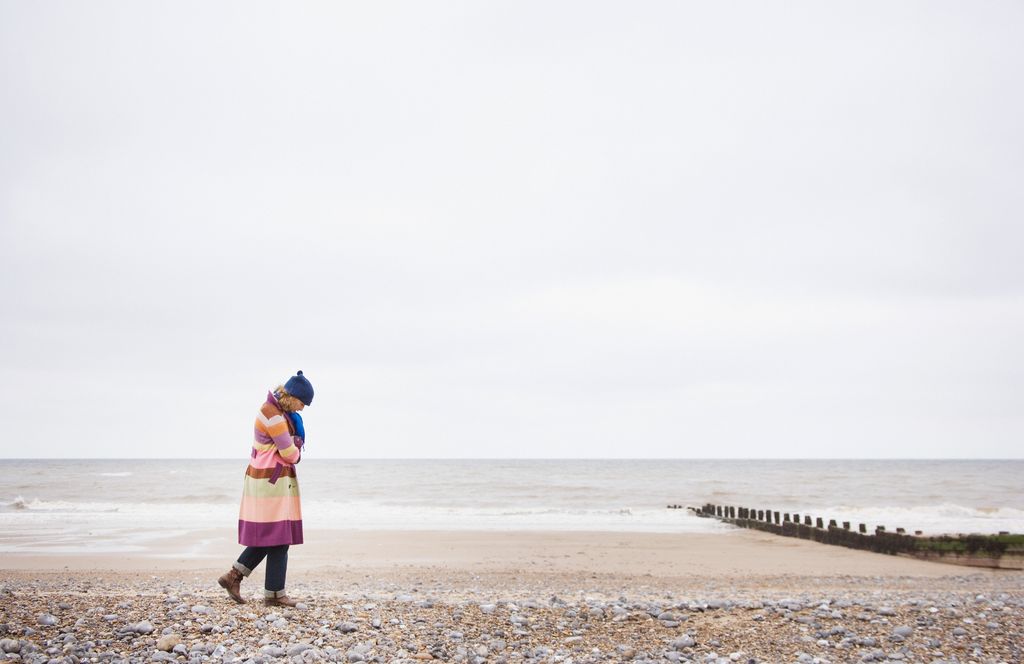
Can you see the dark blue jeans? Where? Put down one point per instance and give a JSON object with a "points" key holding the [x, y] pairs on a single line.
{"points": [[277, 563]]}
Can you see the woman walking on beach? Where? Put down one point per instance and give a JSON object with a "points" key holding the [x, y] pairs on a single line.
{"points": [[270, 518]]}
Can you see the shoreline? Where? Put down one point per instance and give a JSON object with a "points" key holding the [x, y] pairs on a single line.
{"points": [[734, 553]]}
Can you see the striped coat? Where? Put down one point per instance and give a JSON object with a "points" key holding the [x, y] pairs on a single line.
{"points": [[271, 513]]}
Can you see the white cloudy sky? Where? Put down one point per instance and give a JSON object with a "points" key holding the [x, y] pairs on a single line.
{"points": [[514, 229]]}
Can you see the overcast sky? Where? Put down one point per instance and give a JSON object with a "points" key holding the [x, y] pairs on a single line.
{"points": [[514, 229]]}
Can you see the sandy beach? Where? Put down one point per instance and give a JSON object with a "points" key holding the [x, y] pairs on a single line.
{"points": [[513, 596]]}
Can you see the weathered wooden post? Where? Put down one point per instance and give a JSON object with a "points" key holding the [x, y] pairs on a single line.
{"points": [[776, 518], [846, 525], [819, 522], [718, 510], [807, 520], [864, 528], [785, 517], [832, 523], [901, 531]]}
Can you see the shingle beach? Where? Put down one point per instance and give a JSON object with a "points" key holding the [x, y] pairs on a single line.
{"points": [[495, 609]]}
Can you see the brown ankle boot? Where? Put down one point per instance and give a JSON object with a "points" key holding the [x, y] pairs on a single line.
{"points": [[232, 582], [277, 598]]}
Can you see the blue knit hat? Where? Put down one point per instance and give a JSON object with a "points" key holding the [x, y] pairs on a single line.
{"points": [[300, 388]]}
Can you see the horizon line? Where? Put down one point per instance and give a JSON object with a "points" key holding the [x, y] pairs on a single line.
{"points": [[339, 458]]}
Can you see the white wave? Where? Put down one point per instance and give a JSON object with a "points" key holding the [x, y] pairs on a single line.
{"points": [[123, 474]]}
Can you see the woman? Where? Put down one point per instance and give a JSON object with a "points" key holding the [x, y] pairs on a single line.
{"points": [[270, 519]]}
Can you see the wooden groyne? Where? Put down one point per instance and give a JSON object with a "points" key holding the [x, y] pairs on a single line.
{"points": [[1002, 551]]}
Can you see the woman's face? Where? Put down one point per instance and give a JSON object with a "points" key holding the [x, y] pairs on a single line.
{"points": [[300, 406]]}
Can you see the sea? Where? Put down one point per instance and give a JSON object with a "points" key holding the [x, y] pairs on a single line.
{"points": [[115, 505]]}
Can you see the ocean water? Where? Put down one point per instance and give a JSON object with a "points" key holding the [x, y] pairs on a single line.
{"points": [[117, 505]]}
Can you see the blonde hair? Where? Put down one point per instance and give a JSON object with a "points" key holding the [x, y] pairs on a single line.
{"points": [[287, 402]]}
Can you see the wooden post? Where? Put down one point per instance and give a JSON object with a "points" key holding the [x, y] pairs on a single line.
{"points": [[819, 523], [864, 528], [832, 523], [900, 531], [777, 518], [846, 525], [807, 520], [785, 517]]}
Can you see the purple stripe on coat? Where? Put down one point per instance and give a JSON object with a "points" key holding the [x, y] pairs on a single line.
{"points": [[274, 533]]}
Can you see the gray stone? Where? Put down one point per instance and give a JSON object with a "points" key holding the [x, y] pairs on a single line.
{"points": [[959, 631], [298, 649], [903, 630], [682, 642], [345, 627], [46, 619], [10, 645], [144, 627]]}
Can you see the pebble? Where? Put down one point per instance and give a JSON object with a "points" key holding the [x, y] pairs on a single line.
{"points": [[46, 619], [298, 649], [144, 627], [584, 628], [683, 642], [167, 642]]}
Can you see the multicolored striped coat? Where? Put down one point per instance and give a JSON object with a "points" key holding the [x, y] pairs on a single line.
{"points": [[271, 513]]}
